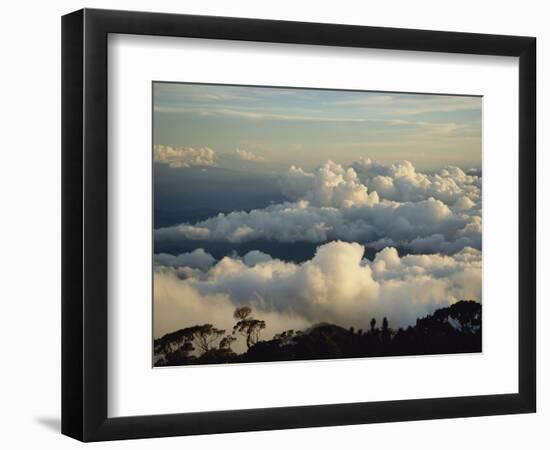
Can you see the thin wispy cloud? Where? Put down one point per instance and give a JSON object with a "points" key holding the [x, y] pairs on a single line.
{"points": [[411, 104], [390, 126], [259, 115]]}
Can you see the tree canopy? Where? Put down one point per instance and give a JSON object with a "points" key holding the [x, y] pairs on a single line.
{"points": [[453, 329]]}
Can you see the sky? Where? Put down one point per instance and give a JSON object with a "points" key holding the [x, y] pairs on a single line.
{"points": [[306, 127], [313, 205]]}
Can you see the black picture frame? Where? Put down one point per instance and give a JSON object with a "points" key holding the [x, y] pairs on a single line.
{"points": [[84, 224]]}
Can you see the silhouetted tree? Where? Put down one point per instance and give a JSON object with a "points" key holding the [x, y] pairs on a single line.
{"points": [[285, 337], [385, 335], [174, 341], [247, 326], [250, 328], [205, 335], [372, 324], [453, 329], [242, 312], [180, 356], [226, 342]]}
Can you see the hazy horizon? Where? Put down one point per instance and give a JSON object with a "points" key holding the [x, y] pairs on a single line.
{"points": [[309, 126]]}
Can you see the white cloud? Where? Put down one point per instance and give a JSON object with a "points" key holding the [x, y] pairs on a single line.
{"points": [[178, 157], [255, 257], [401, 182], [197, 259], [245, 155], [177, 304], [400, 223], [372, 203], [337, 285], [330, 185]]}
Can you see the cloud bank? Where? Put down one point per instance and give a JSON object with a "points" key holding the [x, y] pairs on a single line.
{"points": [[401, 182], [371, 203], [182, 157], [337, 285]]}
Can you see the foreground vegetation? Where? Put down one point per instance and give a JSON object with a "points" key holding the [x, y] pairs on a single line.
{"points": [[454, 329]]}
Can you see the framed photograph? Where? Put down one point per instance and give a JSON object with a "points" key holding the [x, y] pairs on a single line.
{"points": [[272, 224]]}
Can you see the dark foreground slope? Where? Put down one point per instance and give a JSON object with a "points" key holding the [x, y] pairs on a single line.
{"points": [[454, 329]]}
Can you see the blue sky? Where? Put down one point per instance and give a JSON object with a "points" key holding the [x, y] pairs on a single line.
{"points": [[276, 127]]}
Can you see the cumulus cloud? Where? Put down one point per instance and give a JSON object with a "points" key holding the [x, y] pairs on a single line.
{"points": [[179, 157], [177, 304], [372, 203], [330, 185], [409, 225], [245, 155], [197, 259], [436, 216], [337, 285], [255, 257], [401, 182]]}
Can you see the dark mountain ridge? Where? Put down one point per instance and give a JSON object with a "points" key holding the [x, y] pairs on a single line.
{"points": [[449, 330]]}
